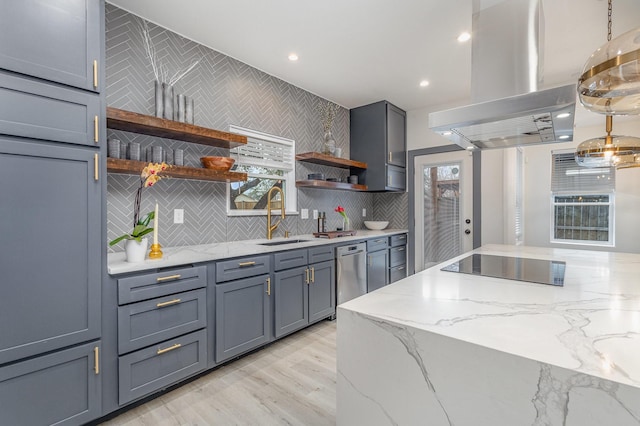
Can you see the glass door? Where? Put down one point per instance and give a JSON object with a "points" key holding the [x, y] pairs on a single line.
{"points": [[444, 206]]}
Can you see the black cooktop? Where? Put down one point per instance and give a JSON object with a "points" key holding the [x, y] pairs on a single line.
{"points": [[549, 272]]}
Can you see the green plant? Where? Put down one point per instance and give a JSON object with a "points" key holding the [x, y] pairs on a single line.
{"points": [[140, 230]]}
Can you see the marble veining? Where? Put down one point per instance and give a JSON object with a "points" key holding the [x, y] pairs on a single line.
{"points": [[492, 351], [176, 256]]}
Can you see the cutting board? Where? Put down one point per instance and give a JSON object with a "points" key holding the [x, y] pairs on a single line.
{"points": [[333, 234]]}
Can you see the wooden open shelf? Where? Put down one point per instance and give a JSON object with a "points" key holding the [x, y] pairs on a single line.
{"points": [[323, 184], [147, 125], [131, 167], [328, 160]]}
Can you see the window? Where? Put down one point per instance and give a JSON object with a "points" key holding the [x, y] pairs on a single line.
{"points": [[582, 202], [269, 162]]}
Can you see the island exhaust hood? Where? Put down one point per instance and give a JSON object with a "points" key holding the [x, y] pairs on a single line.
{"points": [[506, 69]]}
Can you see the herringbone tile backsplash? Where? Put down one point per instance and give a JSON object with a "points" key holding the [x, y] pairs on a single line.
{"points": [[225, 92]]}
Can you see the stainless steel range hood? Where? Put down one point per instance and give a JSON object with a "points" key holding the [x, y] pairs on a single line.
{"points": [[508, 108]]}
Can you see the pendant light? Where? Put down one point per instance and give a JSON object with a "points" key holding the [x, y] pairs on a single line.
{"points": [[610, 84], [610, 80]]}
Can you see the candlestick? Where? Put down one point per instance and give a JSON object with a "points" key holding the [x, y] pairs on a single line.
{"points": [[155, 226]]}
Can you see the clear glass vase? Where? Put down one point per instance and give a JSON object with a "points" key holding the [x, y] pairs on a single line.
{"points": [[329, 146], [345, 224]]}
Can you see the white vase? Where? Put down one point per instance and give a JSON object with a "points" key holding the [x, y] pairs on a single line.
{"points": [[135, 251]]}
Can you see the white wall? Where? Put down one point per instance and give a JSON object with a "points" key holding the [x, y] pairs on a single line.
{"points": [[538, 196]]}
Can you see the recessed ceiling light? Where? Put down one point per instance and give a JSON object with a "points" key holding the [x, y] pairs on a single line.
{"points": [[293, 57], [564, 137], [563, 115], [465, 36], [424, 83]]}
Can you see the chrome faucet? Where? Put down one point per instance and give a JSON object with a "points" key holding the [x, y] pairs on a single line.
{"points": [[271, 228]]}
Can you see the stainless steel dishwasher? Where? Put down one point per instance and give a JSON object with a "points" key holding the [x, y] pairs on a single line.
{"points": [[351, 271]]}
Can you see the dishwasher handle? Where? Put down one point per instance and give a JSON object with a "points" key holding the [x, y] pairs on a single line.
{"points": [[351, 253]]}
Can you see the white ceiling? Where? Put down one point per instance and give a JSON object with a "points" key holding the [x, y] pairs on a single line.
{"points": [[355, 52]]}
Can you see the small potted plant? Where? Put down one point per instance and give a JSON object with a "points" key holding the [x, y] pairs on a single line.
{"points": [[135, 245]]}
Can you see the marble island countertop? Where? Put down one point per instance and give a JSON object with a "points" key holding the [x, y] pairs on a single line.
{"points": [[176, 256], [540, 349]]}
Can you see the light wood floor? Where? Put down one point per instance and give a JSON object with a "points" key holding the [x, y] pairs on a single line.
{"points": [[290, 382]]}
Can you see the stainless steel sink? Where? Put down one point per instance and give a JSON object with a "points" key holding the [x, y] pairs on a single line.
{"points": [[279, 243]]}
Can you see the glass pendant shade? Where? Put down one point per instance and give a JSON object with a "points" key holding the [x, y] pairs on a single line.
{"points": [[610, 81], [609, 151]]}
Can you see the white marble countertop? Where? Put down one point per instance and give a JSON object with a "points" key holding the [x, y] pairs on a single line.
{"points": [[590, 325], [175, 256]]}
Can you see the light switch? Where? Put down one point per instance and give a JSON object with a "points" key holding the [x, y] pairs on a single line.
{"points": [[315, 214], [364, 212], [304, 213], [178, 216]]}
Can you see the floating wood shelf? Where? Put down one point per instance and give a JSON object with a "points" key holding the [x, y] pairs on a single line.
{"points": [[323, 184], [328, 160], [147, 125], [131, 167]]}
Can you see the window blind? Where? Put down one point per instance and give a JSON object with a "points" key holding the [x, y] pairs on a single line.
{"points": [[264, 150], [568, 177]]}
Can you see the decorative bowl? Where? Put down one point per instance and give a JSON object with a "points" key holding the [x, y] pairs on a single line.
{"points": [[221, 164], [376, 225]]}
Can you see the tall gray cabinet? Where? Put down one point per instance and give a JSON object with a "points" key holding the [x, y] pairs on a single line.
{"points": [[378, 138], [51, 214]]}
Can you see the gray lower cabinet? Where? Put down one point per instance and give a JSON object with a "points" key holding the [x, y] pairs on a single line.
{"points": [[162, 336], [50, 200], [397, 257], [62, 388], [243, 315], [56, 40], [304, 294], [377, 263]]}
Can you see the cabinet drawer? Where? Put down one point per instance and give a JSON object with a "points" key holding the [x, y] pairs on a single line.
{"points": [[376, 244], [398, 240], [147, 370], [242, 268], [145, 323], [396, 177], [397, 256], [321, 254], [290, 259], [397, 273], [32, 109], [60, 388], [149, 286]]}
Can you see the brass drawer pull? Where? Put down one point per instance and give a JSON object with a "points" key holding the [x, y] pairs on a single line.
{"points": [[96, 360], [306, 273], [400, 268], [268, 286], [313, 275], [401, 249], [95, 74], [246, 263], [168, 303], [170, 277], [96, 161], [170, 348]]}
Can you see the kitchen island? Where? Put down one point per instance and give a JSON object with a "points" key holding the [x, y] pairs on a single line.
{"points": [[445, 348]]}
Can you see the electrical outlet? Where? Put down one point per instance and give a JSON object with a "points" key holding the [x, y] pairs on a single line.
{"points": [[304, 213], [315, 214], [178, 216], [364, 212]]}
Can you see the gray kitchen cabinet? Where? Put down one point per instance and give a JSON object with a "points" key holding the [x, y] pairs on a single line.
{"points": [[50, 249], [61, 388], [56, 40], [243, 315], [397, 257], [305, 293], [377, 263], [378, 138]]}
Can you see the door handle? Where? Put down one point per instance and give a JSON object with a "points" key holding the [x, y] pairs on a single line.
{"points": [[467, 231], [306, 273], [268, 286], [96, 360], [96, 129], [313, 275]]}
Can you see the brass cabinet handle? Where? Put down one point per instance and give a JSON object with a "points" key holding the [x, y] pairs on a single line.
{"points": [[96, 133], [268, 286], [170, 348], [400, 268], [96, 360], [95, 167], [246, 263], [170, 277], [168, 303], [378, 241], [401, 249], [390, 156], [95, 74], [313, 274], [306, 273]]}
